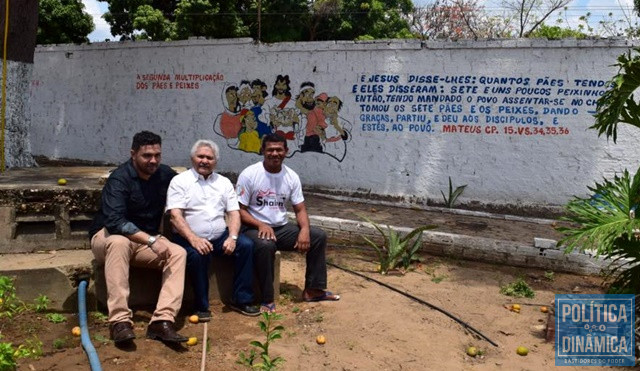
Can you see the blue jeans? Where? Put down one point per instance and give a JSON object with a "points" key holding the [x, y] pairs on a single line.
{"points": [[198, 270]]}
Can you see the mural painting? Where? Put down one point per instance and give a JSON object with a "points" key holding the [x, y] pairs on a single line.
{"points": [[309, 121]]}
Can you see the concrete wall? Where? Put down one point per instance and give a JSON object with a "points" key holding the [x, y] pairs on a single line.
{"points": [[18, 119], [508, 118]]}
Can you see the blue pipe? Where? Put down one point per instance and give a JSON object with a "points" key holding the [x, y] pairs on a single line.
{"points": [[94, 361]]}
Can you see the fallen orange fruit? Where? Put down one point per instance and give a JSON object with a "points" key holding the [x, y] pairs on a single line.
{"points": [[76, 331], [62, 181], [192, 341], [472, 351], [544, 309], [522, 351], [320, 339], [194, 319]]}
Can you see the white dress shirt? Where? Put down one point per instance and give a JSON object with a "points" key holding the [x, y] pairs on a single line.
{"points": [[203, 201]]}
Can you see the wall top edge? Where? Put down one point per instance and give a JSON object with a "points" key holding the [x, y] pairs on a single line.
{"points": [[316, 46]]}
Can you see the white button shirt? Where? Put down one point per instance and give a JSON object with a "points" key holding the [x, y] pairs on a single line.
{"points": [[203, 201]]}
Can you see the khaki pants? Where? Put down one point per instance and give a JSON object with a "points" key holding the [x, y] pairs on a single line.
{"points": [[118, 253]]}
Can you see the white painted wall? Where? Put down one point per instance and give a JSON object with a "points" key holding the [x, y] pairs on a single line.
{"points": [[88, 101]]}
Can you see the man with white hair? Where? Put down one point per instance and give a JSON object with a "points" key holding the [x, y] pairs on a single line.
{"points": [[197, 200]]}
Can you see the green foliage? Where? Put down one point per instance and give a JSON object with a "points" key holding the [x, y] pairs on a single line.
{"points": [[453, 194], [396, 250], [550, 276], [7, 359], [152, 22], [439, 278], [63, 22], [607, 225], [617, 105], [10, 305], [59, 343], [272, 332], [606, 222], [601, 220], [556, 33], [280, 20], [32, 348], [99, 316], [56, 317], [518, 289], [41, 303]]}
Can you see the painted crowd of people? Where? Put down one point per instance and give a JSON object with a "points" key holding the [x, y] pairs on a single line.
{"points": [[309, 122]]}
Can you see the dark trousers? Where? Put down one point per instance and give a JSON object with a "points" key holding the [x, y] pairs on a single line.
{"points": [[198, 269], [286, 237]]}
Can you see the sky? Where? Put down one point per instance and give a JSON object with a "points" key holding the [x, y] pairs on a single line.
{"points": [[576, 8]]}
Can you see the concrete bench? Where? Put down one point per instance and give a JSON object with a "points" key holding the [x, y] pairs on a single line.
{"points": [[145, 284]]}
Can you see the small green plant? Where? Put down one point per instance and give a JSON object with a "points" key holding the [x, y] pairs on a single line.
{"points": [[549, 276], [272, 332], [518, 289], [439, 278], [41, 303], [32, 348], [98, 316], [453, 194], [296, 309], [396, 250], [7, 358], [56, 317], [102, 339], [10, 305], [59, 343]]}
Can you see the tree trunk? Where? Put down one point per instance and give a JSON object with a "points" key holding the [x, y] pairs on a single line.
{"points": [[21, 44], [23, 28]]}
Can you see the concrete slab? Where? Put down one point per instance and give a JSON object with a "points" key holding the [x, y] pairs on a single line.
{"points": [[55, 274]]}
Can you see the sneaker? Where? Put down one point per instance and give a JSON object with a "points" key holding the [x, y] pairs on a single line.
{"points": [[246, 309], [203, 316]]}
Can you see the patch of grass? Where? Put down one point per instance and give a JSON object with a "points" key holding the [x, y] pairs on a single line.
{"points": [[431, 268], [518, 289], [56, 317], [550, 276], [101, 338], [59, 343], [438, 278], [296, 309]]}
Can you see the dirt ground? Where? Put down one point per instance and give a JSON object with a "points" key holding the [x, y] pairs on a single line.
{"points": [[370, 328]]}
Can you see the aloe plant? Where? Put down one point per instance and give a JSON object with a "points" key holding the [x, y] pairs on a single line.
{"points": [[453, 194], [396, 249]]}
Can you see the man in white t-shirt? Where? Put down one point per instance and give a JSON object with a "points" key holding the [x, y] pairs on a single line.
{"points": [[198, 200], [264, 189]]}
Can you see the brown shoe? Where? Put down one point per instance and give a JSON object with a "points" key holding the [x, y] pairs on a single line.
{"points": [[163, 331], [121, 332]]}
